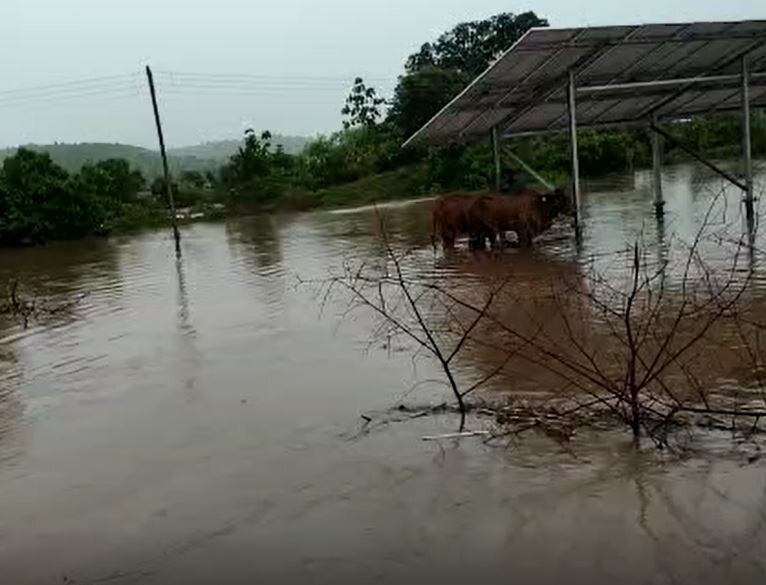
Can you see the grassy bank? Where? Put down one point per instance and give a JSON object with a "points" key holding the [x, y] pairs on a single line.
{"points": [[404, 183]]}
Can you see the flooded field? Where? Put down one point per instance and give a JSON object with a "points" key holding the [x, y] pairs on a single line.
{"points": [[197, 422]]}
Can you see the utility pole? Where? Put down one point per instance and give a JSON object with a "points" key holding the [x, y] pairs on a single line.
{"points": [[165, 169]]}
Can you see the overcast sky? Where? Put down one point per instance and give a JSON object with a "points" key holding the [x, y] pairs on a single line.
{"points": [[305, 52]]}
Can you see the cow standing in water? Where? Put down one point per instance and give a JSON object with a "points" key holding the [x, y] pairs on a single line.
{"points": [[489, 217], [450, 218], [451, 215], [528, 214]]}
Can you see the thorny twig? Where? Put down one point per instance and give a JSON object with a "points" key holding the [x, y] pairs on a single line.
{"points": [[29, 309], [652, 332]]}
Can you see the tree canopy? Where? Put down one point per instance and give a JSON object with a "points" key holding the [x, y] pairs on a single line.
{"points": [[421, 94], [40, 201], [112, 179], [471, 47], [362, 106], [440, 70]]}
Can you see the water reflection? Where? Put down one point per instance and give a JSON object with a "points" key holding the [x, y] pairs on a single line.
{"points": [[257, 243], [662, 245], [60, 270], [188, 426], [666, 508], [259, 240], [184, 313], [189, 354], [11, 405]]}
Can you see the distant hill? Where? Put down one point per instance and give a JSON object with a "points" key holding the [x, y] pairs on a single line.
{"points": [[202, 157], [223, 149], [73, 156]]}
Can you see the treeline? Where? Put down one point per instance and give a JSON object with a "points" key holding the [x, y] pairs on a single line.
{"points": [[365, 161], [374, 128], [40, 201]]}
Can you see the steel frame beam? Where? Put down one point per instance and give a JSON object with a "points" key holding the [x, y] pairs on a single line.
{"points": [[515, 88], [700, 38], [554, 85], [637, 62], [659, 202], [697, 156], [720, 65], [635, 123], [516, 158], [746, 141], [572, 107], [737, 78], [496, 156], [588, 89], [652, 109]]}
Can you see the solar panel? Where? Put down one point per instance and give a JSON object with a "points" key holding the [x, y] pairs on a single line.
{"points": [[623, 75]]}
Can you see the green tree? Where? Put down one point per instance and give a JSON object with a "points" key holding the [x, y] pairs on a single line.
{"points": [[282, 162], [39, 202], [440, 70], [323, 162], [362, 106], [258, 173], [421, 94], [471, 47], [112, 179], [159, 190], [193, 179], [251, 160]]}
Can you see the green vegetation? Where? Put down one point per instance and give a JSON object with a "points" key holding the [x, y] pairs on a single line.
{"points": [[220, 150], [71, 157], [202, 157], [67, 191], [388, 186], [350, 166], [41, 201]]}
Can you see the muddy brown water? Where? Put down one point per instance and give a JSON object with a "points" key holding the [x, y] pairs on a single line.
{"points": [[196, 423]]}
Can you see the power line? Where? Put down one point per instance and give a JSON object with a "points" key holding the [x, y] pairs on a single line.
{"points": [[297, 86], [67, 102], [123, 90], [87, 82], [179, 83], [254, 90], [196, 80], [286, 85], [71, 91], [349, 79], [176, 83]]}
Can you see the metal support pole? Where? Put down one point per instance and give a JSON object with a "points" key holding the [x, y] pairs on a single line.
{"points": [[698, 157], [530, 170], [659, 202], [746, 141], [496, 154], [165, 169], [573, 150]]}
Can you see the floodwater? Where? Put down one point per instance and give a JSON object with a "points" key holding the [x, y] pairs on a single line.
{"points": [[198, 422]]}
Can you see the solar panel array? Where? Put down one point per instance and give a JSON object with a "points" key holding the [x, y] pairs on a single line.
{"points": [[623, 75]]}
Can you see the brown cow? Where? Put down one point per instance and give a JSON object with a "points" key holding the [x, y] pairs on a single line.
{"points": [[450, 218], [528, 214]]}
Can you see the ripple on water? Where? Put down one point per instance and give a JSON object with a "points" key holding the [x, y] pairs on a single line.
{"points": [[207, 397]]}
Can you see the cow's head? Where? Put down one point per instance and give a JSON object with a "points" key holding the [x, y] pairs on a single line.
{"points": [[554, 203]]}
